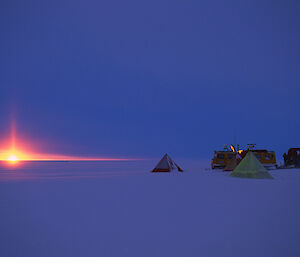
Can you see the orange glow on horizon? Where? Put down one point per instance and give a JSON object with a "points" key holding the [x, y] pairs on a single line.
{"points": [[20, 156], [16, 150]]}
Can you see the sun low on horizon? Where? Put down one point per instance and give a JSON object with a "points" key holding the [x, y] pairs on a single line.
{"points": [[13, 158], [14, 150], [18, 156]]}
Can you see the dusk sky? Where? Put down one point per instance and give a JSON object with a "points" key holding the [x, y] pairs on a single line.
{"points": [[141, 78]]}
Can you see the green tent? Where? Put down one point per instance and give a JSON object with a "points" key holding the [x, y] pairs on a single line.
{"points": [[250, 167]]}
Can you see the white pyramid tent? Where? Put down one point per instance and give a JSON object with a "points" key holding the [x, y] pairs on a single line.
{"points": [[166, 164], [250, 167]]}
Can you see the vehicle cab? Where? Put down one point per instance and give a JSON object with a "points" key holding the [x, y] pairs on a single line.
{"points": [[221, 158]]}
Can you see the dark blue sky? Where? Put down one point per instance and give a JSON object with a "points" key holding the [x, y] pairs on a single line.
{"points": [[141, 78]]}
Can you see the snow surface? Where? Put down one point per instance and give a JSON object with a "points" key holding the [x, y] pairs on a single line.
{"points": [[121, 209]]}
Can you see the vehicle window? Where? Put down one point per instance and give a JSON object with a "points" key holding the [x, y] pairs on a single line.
{"points": [[268, 156], [230, 156], [258, 156], [220, 156]]}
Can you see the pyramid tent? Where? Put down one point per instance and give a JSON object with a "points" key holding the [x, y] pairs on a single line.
{"points": [[166, 164], [231, 165], [250, 167]]}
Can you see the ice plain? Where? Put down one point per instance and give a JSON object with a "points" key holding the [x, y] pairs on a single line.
{"points": [[118, 209]]}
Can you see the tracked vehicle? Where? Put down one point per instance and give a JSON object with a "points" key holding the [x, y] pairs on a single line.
{"points": [[266, 158], [292, 158], [221, 158]]}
